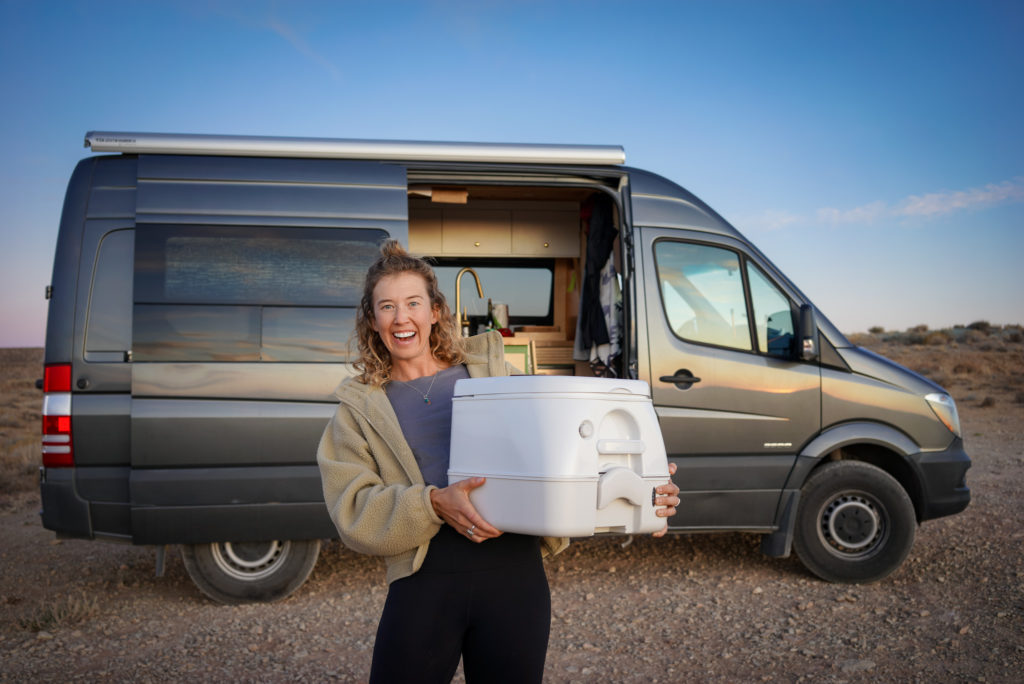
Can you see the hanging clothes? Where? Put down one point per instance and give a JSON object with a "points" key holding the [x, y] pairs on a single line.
{"points": [[599, 331]]}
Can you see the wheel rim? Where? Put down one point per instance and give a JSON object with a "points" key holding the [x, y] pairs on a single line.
{"points": [[250, 561], [853, 525]]}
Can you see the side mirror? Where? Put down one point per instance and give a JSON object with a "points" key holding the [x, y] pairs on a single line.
{"points": [[808, 334]]}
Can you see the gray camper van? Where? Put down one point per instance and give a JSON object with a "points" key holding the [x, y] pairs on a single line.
{"points": [[204, 289]]}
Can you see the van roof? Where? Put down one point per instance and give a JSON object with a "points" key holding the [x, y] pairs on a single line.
{"points": [[339, 148]]}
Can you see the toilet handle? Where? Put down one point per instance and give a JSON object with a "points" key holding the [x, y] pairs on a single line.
{"points": [[622, 483], [620, 447]]}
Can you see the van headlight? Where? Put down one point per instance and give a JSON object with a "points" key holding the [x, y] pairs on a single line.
{"points": [[945, 409]]}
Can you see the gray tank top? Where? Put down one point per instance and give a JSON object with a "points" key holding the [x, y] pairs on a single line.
{"points": [[427, 426]]}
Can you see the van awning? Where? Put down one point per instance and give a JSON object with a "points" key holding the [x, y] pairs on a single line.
{"points": [[338, 148]]}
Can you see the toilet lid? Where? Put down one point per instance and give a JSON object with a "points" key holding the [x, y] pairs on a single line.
{"points": [[551, 384]]}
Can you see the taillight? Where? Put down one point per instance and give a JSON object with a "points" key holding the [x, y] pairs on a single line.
{"points": [[57, 451]]}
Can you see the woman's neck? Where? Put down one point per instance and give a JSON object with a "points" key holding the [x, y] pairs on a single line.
{"points": [[410, 370]]}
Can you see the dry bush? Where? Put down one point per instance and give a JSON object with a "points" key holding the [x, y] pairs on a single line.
{"points": [[981, 326], [876, 330], [63, 612], [20, 404]]}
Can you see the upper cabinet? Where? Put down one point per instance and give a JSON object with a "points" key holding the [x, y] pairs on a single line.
{"points": [[534, 229]]}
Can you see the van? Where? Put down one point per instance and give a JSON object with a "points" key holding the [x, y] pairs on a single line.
{"points": [[204, 289]]}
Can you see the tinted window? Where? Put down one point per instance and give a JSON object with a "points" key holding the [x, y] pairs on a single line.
{"points": [[246, 265], [296, 334], [702, 293], [235, 293], [110, 298], [773, 317]]}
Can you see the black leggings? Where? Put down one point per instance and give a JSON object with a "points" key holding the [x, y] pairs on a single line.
{"points": [[487, 602]]}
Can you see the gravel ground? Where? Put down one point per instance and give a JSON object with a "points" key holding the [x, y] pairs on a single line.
{"points": [[684, 608]]}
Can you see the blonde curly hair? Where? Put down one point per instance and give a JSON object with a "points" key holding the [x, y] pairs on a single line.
{"points": [[374, 363]]}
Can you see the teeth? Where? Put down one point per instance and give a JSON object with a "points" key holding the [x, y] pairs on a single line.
{"points": [[404, 335]]}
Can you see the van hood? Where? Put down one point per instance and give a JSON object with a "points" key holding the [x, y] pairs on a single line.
{"points": [[865, 362]]}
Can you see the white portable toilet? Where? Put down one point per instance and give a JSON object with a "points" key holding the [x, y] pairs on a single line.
{"points": [[563, 456]]}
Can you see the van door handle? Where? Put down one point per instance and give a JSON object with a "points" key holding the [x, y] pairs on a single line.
{"points": [[683, 379]]}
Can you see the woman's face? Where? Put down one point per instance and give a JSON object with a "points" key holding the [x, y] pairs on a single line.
{"points": [[403, 316]]}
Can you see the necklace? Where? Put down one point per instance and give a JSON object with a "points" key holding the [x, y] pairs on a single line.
{"points": [[425, 395]]}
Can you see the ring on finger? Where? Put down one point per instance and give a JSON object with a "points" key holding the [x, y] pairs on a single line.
{"points": [[471, 531]]}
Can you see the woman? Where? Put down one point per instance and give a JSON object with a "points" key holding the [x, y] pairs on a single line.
{"points": [[457, 586]]}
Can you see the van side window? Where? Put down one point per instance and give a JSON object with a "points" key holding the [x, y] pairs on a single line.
{"points": [[702, 292], [773, 315], [109, 326], [243, 293]]}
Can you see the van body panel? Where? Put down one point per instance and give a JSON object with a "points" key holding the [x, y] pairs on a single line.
{"points": [[60, 316], [853, 397], [307, 382], [102, 429], [237, 522], [211, 486], [202, 432]]}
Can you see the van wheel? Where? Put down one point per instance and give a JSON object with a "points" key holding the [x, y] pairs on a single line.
{"points": [[855, 523], [248, 572]]}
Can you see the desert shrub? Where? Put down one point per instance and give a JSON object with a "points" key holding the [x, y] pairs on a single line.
{"points": [[937, 338], [1019, 398], [987, 402], [974, 337], [964, 369], [918, 329], [915, 337], [980, 326], [70, 610], [1015, 336], [876, 330]]}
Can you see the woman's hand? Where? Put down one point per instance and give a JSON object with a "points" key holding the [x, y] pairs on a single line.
{"points": [[668, 496], [452, 505]]}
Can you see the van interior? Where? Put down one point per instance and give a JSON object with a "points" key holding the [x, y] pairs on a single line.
{"points": [[515, 258]]}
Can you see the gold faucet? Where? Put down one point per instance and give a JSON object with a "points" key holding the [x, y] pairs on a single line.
{"points": [[460, 316]]}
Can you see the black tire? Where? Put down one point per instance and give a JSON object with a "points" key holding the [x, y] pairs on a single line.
{"points": [[855, 523], [250, 572]]}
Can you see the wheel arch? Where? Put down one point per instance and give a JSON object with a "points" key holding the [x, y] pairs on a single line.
{"points": [[880, 445]]}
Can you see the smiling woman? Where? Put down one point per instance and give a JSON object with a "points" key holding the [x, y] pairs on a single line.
{"points": [[459, 588]]}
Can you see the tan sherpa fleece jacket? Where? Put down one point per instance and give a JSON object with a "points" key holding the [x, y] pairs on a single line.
{"points": [[372, 485]]}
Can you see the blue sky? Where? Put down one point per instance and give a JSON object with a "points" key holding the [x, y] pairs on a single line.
{"points": [[873, 150]]}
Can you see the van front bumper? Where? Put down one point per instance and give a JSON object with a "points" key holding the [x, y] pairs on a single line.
{"points": [[944, 480]]}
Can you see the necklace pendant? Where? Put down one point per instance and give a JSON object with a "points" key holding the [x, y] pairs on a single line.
{"points": [[426, 400]]}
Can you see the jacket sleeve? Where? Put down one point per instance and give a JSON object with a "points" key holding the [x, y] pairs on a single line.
{"points": [[372, 517]]}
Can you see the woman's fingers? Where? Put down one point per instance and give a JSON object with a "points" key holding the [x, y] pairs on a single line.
{"points": [[667, 499], [452, 505]]}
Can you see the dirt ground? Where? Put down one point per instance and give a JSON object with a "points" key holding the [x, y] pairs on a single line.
{"points": [[684, 608]]}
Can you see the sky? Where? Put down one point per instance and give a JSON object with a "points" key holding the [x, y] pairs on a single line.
{"points": [[874, 151]]}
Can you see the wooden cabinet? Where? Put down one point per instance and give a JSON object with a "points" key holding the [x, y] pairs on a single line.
{"points": [[529, 229], [546, 233], [484, 232]]}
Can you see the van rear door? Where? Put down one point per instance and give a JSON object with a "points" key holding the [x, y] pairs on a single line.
{"points": [[247, 273], [734, 405]]}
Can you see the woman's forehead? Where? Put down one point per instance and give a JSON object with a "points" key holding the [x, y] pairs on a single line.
{"points": [[400, 286]]}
